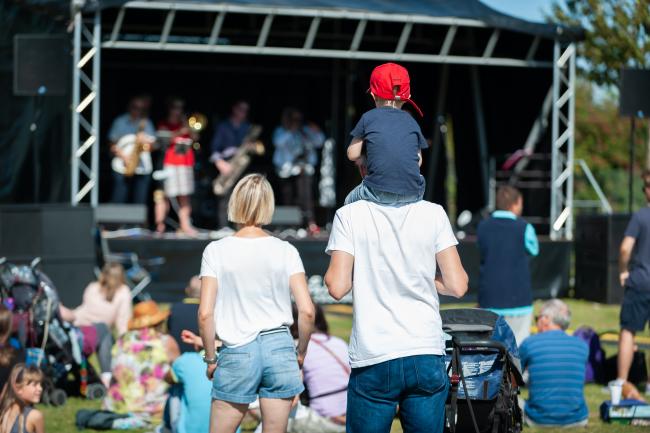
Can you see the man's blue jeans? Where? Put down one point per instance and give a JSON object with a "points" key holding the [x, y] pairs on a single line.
{"points": [[417, 384]]}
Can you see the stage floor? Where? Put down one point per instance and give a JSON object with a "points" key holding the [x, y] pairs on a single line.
{"points": [[550, 270]]}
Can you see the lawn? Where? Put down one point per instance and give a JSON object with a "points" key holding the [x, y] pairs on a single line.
{"points": [[601, 317]]}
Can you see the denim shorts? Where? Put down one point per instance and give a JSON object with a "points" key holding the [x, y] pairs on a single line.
{"points": [[365, 192], [267, 366]]}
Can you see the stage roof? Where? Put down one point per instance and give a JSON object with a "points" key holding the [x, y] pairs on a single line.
{"points": [[456, 9]]}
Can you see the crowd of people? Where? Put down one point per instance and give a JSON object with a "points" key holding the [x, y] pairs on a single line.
{"points": [[157, 163], [263, 343]]}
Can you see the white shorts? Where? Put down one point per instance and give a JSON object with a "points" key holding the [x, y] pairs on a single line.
{"points": [[179, 180]]}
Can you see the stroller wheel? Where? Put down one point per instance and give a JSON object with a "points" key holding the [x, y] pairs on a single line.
{"points": [[95, 391], [58, 397]]}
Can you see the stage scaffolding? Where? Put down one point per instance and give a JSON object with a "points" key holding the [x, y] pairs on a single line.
{"points": [[90, 39]]}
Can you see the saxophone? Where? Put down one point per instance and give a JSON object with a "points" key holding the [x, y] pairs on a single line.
{"points": [[133, 158], [239, 162]]}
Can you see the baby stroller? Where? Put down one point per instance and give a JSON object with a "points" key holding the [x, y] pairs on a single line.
{"points": [[485, 373], [54, 345]]}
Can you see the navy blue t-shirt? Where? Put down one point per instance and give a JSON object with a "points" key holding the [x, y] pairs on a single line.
{"points": [[639, 229], [392, 139]]}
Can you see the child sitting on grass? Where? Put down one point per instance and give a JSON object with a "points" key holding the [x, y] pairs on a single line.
{"points": [[393, 142], [21, 392]]}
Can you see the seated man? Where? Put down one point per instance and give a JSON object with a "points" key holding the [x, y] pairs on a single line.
{"points": [[556, 366], [183, 314]]}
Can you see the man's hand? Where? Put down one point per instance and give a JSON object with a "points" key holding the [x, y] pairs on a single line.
{"points": [[224, 167], [301, 359], [623, 276], [210, 371]]}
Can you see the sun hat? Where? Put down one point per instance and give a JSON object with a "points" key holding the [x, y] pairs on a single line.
{"points": [[386, 77], [146, 314]]}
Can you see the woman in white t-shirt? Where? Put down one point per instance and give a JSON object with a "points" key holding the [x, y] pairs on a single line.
{"points": [[246, 285]]}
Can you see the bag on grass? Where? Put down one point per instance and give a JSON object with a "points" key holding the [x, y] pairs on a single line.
{"points": [[595, 371]]}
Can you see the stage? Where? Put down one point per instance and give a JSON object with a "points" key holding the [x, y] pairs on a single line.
{"points": [[550, 270]]}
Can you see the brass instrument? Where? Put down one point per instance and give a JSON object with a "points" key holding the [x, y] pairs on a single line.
{"points": [[133, 159], [223, 184]]}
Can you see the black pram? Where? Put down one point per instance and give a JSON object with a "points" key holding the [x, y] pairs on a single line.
{"points": [[483, 363]]}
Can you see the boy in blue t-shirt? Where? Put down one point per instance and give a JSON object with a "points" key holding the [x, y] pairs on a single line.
{"points": [[393, 142]]}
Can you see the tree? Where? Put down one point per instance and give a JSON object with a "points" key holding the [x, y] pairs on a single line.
{"points": [[617, 34]]}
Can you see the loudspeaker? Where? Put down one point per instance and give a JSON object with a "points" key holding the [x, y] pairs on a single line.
{"points": [[635, 93], [597, 242], [41, 64]]}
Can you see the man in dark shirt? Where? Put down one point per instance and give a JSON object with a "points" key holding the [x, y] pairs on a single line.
{"points": [[634, 268], [228, 136], [506, 242], [183, 314]]}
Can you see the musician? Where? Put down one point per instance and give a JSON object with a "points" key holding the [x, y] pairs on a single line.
{"points": [[132, 189], [228, 136], [295, 159], [178, 166]]}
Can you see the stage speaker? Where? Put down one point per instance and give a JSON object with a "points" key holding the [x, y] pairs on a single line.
{"points": [[61, 235], [635, 92], [597, 242], [41, 64]]}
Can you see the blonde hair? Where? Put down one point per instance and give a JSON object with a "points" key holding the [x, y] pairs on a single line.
{"points": [[111, 279], [20, 376], [252, 202]]}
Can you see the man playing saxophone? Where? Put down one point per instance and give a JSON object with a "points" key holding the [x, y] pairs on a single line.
{"points": [[131, 137], [228, 136]]}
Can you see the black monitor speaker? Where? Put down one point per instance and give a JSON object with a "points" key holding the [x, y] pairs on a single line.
{"points": [[41, 64], [635, 93]]}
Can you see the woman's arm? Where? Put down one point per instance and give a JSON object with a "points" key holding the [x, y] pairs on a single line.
{"points": [[124, 311], [172, 349], [453, 281], [206, 315], [306, 312], [355, 148], [35, 422], [66, 314]]}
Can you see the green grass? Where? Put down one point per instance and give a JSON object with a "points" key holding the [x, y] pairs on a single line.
{"points": [[601, 317]]}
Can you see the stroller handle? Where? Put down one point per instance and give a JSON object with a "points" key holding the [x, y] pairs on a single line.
{"points": [[491, 344]]}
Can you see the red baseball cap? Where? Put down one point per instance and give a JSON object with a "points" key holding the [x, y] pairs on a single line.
{"points": [[388, 76]]}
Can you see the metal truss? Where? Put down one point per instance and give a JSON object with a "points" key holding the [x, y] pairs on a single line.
{"points": [[165, 40], [85, 109], [562, 141]]}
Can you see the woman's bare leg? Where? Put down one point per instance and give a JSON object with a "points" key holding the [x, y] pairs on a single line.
{"points": [[225, 417], [275, 414], [184, 214]]}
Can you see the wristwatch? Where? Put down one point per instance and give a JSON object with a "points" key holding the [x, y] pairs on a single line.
{"points": [[210, 361]]}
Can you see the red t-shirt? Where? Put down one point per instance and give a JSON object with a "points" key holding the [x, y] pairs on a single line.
{"points": [[174, 154]]}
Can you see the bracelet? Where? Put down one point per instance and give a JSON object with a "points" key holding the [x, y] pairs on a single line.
{"points": [[209, 361]]}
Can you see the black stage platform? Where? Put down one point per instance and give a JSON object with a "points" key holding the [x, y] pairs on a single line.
{"points": [[550, 270]]}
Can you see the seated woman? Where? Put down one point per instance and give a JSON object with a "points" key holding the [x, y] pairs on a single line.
{"points": [[10, 353], [106, 307], [327, 371], [141, 359]]}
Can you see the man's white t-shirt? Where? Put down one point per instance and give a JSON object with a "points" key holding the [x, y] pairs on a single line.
{"points": [[396, 306], [253, 293]]}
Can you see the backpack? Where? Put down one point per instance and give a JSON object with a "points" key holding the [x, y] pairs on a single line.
{"points": [[595, 371]]}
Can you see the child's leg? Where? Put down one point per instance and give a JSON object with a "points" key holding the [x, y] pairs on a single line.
{"points": [[354, 195]]}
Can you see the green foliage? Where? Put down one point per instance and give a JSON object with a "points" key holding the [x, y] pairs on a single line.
{"points": [[617, 34], [602, 140]]}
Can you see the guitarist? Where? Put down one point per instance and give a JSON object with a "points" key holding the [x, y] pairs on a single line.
{"points": [[135, 188], [295, 158], [228, 136]]}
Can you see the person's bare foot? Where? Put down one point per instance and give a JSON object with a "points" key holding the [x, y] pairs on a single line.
{"points": [[160, 228], [189, 231]]}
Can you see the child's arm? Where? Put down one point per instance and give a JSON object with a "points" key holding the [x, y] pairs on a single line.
{"points": [[355, 148], [35, 421]]}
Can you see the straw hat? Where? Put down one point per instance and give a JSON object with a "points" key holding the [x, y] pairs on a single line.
{"points": [[146, 314]]}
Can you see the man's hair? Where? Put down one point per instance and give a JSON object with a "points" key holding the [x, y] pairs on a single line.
{"points": [[252, 201], [507, 196], [558, 312]]}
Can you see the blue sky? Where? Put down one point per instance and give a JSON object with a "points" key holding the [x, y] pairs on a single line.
{"points": [[531, 10]]}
